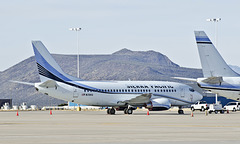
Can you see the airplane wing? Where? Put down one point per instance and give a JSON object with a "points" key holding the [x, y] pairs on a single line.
{"points": [[171, 97], [49, 84], [213, 80], [141, 99]]}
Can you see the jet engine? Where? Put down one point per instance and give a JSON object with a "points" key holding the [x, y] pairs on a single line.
{"points": [[158, 104]]}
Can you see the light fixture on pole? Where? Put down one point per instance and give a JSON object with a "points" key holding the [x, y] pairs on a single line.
{"points": [[215, 20], [77, 30]]}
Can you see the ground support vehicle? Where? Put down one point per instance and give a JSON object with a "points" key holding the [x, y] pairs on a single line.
{"points": [[233, 106], [216, 108], [200, 105]]}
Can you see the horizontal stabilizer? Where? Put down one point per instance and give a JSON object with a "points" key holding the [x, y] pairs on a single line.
{"points": [[25, 83], [186, 79]]}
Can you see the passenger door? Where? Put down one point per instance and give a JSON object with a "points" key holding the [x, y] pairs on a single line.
{"points": [[182, 92], [75, 94]]}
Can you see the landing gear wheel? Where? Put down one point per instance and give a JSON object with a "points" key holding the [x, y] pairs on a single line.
{"points": [[129, 111], [112, 111], [125, 111], [180, 112]]}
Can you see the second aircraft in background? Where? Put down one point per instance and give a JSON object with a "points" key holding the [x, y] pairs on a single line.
{"points": [[218, 78]]}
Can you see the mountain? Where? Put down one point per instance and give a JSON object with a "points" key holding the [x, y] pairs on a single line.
{"points": [[121, 65]]}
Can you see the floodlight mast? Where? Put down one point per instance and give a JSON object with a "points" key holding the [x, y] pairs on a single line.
{"points": [[215, 20], [77, 30]]}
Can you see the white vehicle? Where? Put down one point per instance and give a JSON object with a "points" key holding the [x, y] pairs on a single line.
{"points": [[233, 106], [119, 95], [218, 78], [216, 108], [200, 105]]}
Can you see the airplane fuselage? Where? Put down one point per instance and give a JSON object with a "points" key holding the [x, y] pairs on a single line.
{"points": [[230, 87], [112, 93]]}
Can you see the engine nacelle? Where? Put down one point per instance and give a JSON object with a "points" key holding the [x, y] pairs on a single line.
{"points": [[159, 104]]}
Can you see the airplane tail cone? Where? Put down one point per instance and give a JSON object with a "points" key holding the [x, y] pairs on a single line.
{"points": [[17, 114], [50, 112], [148, 112]]}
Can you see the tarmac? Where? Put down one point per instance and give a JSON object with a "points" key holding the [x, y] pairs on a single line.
{"points": [[96, 127]]}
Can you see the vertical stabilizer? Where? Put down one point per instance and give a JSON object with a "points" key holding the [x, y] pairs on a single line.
{"points": [[47, 66], [213, 65]]}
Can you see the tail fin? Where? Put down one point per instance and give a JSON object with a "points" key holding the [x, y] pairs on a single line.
{"points": [[47, 67], [213, 65]]}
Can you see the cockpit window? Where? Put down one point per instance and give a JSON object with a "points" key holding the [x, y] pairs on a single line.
{"points": [[191, 90]]}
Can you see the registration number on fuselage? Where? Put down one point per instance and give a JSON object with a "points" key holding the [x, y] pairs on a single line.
{"points": [[87, 94]]}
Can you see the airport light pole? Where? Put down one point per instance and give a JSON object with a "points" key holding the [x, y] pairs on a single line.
{"points": [[77, 30], [215, 20]]}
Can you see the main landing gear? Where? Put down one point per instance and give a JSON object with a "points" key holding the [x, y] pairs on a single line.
{"points": [[127, 110], [180, 111], [111, 111]]}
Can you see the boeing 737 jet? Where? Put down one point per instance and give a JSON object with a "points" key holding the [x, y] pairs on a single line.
{"points": [[218, 78], [118, 95]]}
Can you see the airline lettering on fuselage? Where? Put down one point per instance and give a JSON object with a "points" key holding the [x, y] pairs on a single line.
{"points": [[156, 86]]}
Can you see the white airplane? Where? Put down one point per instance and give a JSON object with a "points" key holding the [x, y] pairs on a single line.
{"points": [[119, 95], [218, 78]]}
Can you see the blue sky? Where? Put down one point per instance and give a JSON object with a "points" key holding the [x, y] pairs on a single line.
{"points": [[165, 26]]}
